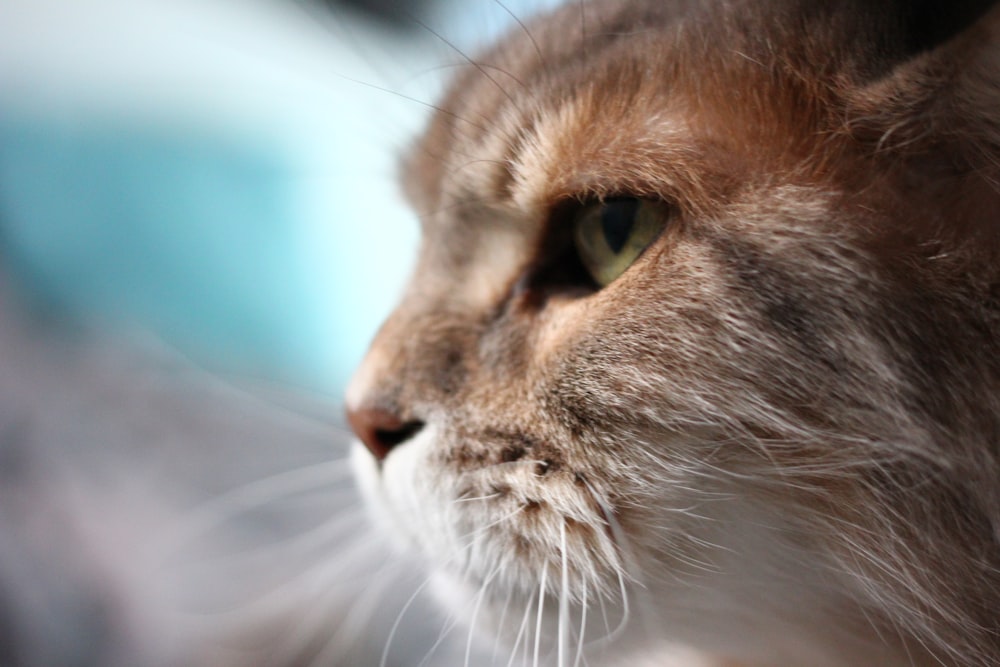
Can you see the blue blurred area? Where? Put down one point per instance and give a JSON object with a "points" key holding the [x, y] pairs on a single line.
{"points": [[218, 174], [197, 237]]}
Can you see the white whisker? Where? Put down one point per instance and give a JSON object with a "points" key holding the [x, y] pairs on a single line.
{"points": [[453, 619], [355, 618], [442, 635], [320, 577], [563, 599], [500, 624], [291, 547], [492, 467], [521, 630], [475, 613], [541, 609], [583, 624], [482, 529], [604, 614], [626, 611], [626, 562], [252, 495], [469, 500], [399, 617]]}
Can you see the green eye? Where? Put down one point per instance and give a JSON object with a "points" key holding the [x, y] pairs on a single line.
{"points": [[610, 235]]}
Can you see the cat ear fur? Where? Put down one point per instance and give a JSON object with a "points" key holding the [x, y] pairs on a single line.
{"points": [[946, 79], [927, 24], [934, 114]]}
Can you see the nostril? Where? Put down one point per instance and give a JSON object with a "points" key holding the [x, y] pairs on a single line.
{"points": [[381, 430], [391, 438]]}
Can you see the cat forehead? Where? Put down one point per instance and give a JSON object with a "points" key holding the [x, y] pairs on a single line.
{"points": [[586, 143], [646, 108]]}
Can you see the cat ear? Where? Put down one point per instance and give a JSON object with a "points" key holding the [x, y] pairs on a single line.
{"points": [[943, 77], [927, 24], [930, 115]]}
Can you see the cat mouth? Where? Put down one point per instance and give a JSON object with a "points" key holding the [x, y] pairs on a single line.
{"points": [[496, 514], [535, 527]]}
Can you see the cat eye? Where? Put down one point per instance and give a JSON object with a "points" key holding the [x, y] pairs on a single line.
{"points": [[610, 235]]}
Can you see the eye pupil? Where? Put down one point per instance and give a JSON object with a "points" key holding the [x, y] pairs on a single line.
{"points": [[609, 235], [617, 220]]}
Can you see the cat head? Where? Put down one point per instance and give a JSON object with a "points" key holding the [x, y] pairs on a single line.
{"points": [[708, 294]]}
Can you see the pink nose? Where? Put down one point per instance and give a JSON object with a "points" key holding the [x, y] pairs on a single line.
{"points": [[381, 430]]}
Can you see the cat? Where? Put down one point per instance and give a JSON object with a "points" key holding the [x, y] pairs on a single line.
{"points": [[700, 362]]}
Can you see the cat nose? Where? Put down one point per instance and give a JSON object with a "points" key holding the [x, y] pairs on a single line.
{"points": [[381, 430]]}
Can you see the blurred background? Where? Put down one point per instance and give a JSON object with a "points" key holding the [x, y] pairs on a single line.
{"points": [[220, 174], [200, 230]]}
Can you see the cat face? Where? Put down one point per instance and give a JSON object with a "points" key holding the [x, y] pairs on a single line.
{"points": [[692, 317]]}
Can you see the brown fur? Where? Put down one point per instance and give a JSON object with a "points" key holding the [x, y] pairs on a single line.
{"points": [[818, 332]]}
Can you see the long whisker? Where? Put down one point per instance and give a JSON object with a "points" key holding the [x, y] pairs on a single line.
{"points": [[563, 600], [302, 542], [626, 610], [281, 398], [313, 604], [434, 107], [249, 496], [583, 624], [453, 619], [383, 89], [604, 615], [468, 500], [625, 555], [492, 467], [355, 618], [445, 631], [482, 529], [482, 70], [475, 613], [524, 28], [399, 617], [521, 630], [541, 609], [319, 577], [500, 624]]}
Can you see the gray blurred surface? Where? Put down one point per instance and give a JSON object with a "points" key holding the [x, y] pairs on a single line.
{"points": [[153, 515]]}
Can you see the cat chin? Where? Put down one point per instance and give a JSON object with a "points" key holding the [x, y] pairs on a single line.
{"points": [[403, 496], [508, 622], [370, 475], [715, 606]]}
